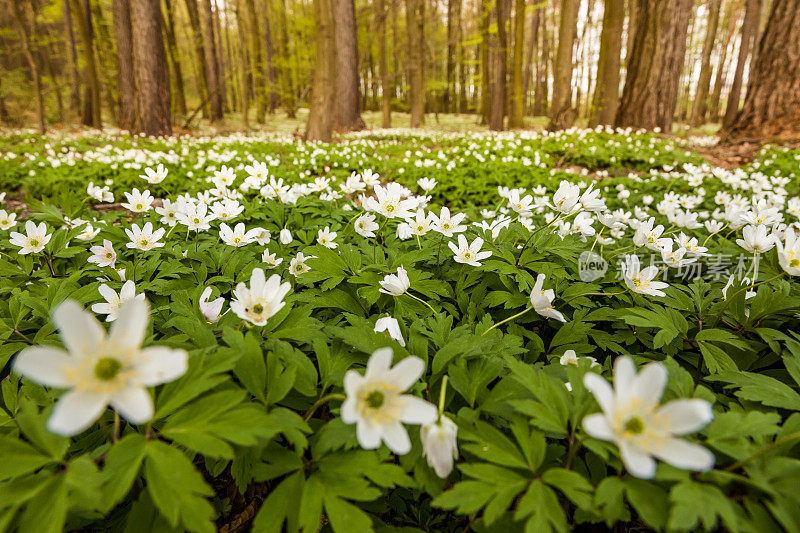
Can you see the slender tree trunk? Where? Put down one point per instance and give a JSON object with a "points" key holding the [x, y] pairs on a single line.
{"points": [[498, 103], [348, 98], [704, 83], [323, 97], [772, 104], [517, 108], [90, 115], [632, 20], [749, 28], [453, 14], [273, 98], [21, 13], [200, 55], [719, 79], [562, 115], [212, 64], [651, 86], [72, 60], [383, 65], [258, 65], [460, 61], [530, 57], [106, 62], [126, 86], [540, 99], [288, 70], [150, 69], [415, 15], [486, 15], [606, 94], [220, 55], [169, 29], [243, 67]]}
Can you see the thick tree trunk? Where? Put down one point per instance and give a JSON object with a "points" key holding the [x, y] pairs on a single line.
{"points": [[72, 60], [179, 94], [323, 97], [772, 104], [415, 15], [273, 96], [606, 93], [20, 13], [749, 28], [383, 65], [486, 15], [221, 72], [153, 115], [90, 115], [562, 115], [126, 86], [461, 62], [258, 66], [212, 64], [704, 83], [540, 99], [453, 21], [719, 80], [651, 86], [348, 98], [243, 67], [497, 110], [517, 108], [530, 57], [200, 55], [288, 70]]}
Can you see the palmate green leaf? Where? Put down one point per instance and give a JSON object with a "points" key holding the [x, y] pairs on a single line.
{"points": [[716, 359], [649, 500], [121, 468], [46, 512], [19, 458], [33, 425], [697, 505], [572, 484], [609, 499], [760, 388], [177, 488], [205, 372], [540, 504], [281, 506], [344, 516]]}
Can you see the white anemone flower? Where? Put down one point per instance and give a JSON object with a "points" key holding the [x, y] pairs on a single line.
{"points": [[395, 284], [542, 300], [391, 327], [389, 201], [261, 300], [271, 260], [757, 239], [447, 224], [440, 445], [642, 429], [103, 256], [469, 254], [100, 369], [138, 202], [7, 220], [115, 301], [641, 281], [426, 184], [237, 236], [789, 253], [298, 264], [326, 237], [365, 225], [211, 310], [285, 236], [155, 176], [376, 404], [34, 240], [144, 238]]}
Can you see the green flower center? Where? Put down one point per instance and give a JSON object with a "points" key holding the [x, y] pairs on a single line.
{"points": [[794, 263], [34, 242], [634, 425], [107, 368], [374, 399], [258, 309]]}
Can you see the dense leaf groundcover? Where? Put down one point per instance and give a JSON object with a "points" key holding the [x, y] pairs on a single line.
{"points": [[455, 332]]}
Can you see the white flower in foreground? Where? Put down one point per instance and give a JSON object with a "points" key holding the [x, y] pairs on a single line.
{"points": [[103, 256], [100, 369], [426, 184], [634, 421], [757, 239], [388, 201], [154, 176], [376, 403], [145, 238], [568, 196], [34, 240], [195, 217], [169, 211], [257, 303], [639, 280], [365, 225], [298, 264], [138, 202], [542, 300], [446, 224], [469, 254], [440, 445], [789, 253], [326, 237], [285, 236], [271, 260], [211, 310], [7, 220], [391, 327], [420, 223], [395, 284], [115, 301], [237, 236]]}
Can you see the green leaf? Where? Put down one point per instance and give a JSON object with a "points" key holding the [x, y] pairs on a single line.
{"points": [[345, 517], [19, 458]]}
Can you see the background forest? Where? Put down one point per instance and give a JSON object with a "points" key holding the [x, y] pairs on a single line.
{"points": [[160, 66]]}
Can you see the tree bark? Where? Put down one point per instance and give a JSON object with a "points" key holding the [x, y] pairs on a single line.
{"points": [[20, 17], [72, 60], [153, 115], [90, 115], [179, 93], [719, 80], [651, 86], [517, 108], [562, 115], [486, 15], [212, 63], [200, 55], [126, 86], [273, 98], [606, 93], [415, 13], [772, 104], [749, 28], [323, 98], [533, 41], [498, 105], [704, 82], [243, 67], [288, 70], [540, 99], [383, 65], [258, 65], [453, 20], [348, 97]]}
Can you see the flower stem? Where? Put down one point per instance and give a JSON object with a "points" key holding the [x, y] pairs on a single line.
{"points": [[507, 319], [422, 301], [442, 392], [318, 403]]}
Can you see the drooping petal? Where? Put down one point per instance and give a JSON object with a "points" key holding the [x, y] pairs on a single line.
{"points": [[134, 404], [160, 364], [596, 426], [80, 331], [603, 393], [128, 331], [368, 434], [686, 416], [417, 411], [379, 363], [407, 372], [44, 365], [683, 454], [636, 461], [396, 438], [75, 411]]}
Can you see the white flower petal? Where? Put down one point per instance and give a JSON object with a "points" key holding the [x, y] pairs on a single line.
{"points": [[396, 438], [44, 365], [379, 363], [80, 331], [134, 404], [369, 435], [603, 393], [596, 426], [160, 364], [687, 455], [128, 331], [686, 416], [76, 411], [636, 461], [407, 372], [648, 385], [417, 411]]}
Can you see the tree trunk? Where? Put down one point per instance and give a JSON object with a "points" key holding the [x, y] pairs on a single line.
{"points": [[704, 83], [220, 54], [772, 104], [348, 98], [415, 22], [288, 70], [606, 93], [179, 93], [453, 16], [540, 99], [20, 17], [126, 86], [212, 64], [486, 15], [90, 115], [562, 115], [530, 58], [749, 28], [200, 55], [517, 108], [323, 97], [498, 103], [383, 65], [258, 66], [243, 67], [150, 69], [461, 62], [72, 60], [719, 80], [273, 98], [651, 86]]}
